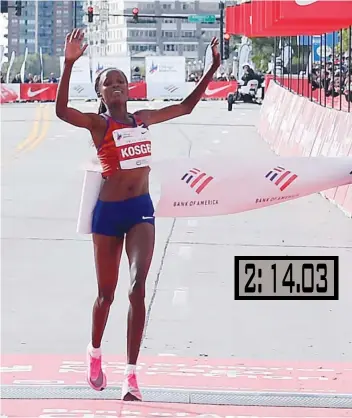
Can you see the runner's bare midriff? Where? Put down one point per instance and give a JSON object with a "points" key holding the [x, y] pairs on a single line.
{"points": [[125, 184]]}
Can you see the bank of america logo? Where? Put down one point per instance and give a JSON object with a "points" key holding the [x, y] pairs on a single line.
{"points": [[281, 177], [153, 68], [171, 88], [78, 89], [99, 68], [197, 179]]}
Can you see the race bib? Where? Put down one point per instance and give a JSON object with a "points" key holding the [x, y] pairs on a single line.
{"points": [[133, 146]]}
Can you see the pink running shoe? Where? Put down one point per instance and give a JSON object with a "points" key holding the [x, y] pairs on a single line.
{"points": [[96, 378], [130, 390]]}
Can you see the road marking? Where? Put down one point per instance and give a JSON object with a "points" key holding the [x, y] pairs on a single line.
{"points": [[44, 132], [40, 121], [178, 372], [35, 128], [79, 408]]}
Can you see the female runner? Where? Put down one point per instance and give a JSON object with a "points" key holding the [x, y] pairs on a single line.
{"points": [[124, 209]]}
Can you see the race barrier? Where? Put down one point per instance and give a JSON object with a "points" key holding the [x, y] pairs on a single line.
{"points": [[302, 86], [153, 90], [295, 126], [10, 93]]}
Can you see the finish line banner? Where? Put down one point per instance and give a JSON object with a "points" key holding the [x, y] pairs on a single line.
{"points": [[200, 187]]}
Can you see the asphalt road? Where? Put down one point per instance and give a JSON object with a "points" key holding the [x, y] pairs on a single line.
{"points": [[48, 277]]}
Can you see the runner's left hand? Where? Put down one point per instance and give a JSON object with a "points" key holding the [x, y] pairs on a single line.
{"points": [[216, 54]]}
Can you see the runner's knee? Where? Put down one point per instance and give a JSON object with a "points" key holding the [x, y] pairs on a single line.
{"points": [[137, 291], [105, 297]]}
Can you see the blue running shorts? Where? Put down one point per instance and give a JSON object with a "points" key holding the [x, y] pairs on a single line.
{"points": [[115, 219]]}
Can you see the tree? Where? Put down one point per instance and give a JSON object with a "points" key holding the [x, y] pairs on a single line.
{"points": [[51, 65], [345, 40], [263, 49]]}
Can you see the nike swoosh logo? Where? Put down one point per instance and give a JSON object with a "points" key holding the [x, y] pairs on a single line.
{"points": [[131, 87], [147, 217], [210, 92], [31, 93], [305, 2]]}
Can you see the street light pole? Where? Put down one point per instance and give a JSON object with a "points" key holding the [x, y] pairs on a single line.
{"points": [[36, 27], [74, 14], [221, 7]]}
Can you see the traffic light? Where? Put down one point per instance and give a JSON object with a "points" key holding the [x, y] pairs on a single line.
{"points": [[90, 14], [4, 6], [18, 7], [135, 12], [226, 46]]}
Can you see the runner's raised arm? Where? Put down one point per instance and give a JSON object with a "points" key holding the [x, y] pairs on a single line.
{"points": [[187, 105], [73, 51]]}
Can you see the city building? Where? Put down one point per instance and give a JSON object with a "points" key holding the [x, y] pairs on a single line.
{"points": [[3, 38], [169, 34], [42, 24]]}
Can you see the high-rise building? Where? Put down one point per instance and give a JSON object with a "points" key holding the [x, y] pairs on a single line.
{"points": [[164, 36], [42, 24], [97, 32], [3, 38]]}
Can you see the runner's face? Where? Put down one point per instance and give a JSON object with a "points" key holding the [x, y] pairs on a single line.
{"points": [[114, 87]]}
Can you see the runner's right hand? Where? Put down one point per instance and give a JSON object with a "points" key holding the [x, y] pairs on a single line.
{"points": [[73, 45]]}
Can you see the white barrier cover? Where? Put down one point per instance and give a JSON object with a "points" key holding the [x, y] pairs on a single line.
{"points": [[165, 69], [80, 70], [166, 90], [82, 91], [202, 187], [80, 76], [92, 184], [120, 62]]}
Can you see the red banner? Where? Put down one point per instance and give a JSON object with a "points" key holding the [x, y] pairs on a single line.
{"points": [[288, 17], [311, 17], [220, 89], [38, 92]]}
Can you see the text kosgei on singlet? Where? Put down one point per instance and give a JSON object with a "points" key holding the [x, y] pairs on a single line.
{"points": [[134, 147]]}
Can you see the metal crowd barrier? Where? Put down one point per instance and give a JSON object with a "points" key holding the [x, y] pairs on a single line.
{"points": [[318, 67]]}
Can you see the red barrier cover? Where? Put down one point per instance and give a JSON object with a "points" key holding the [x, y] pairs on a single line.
{"points": [[137, 91], [38, 92], [219, 89], [8, 94], [301, 86]]}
